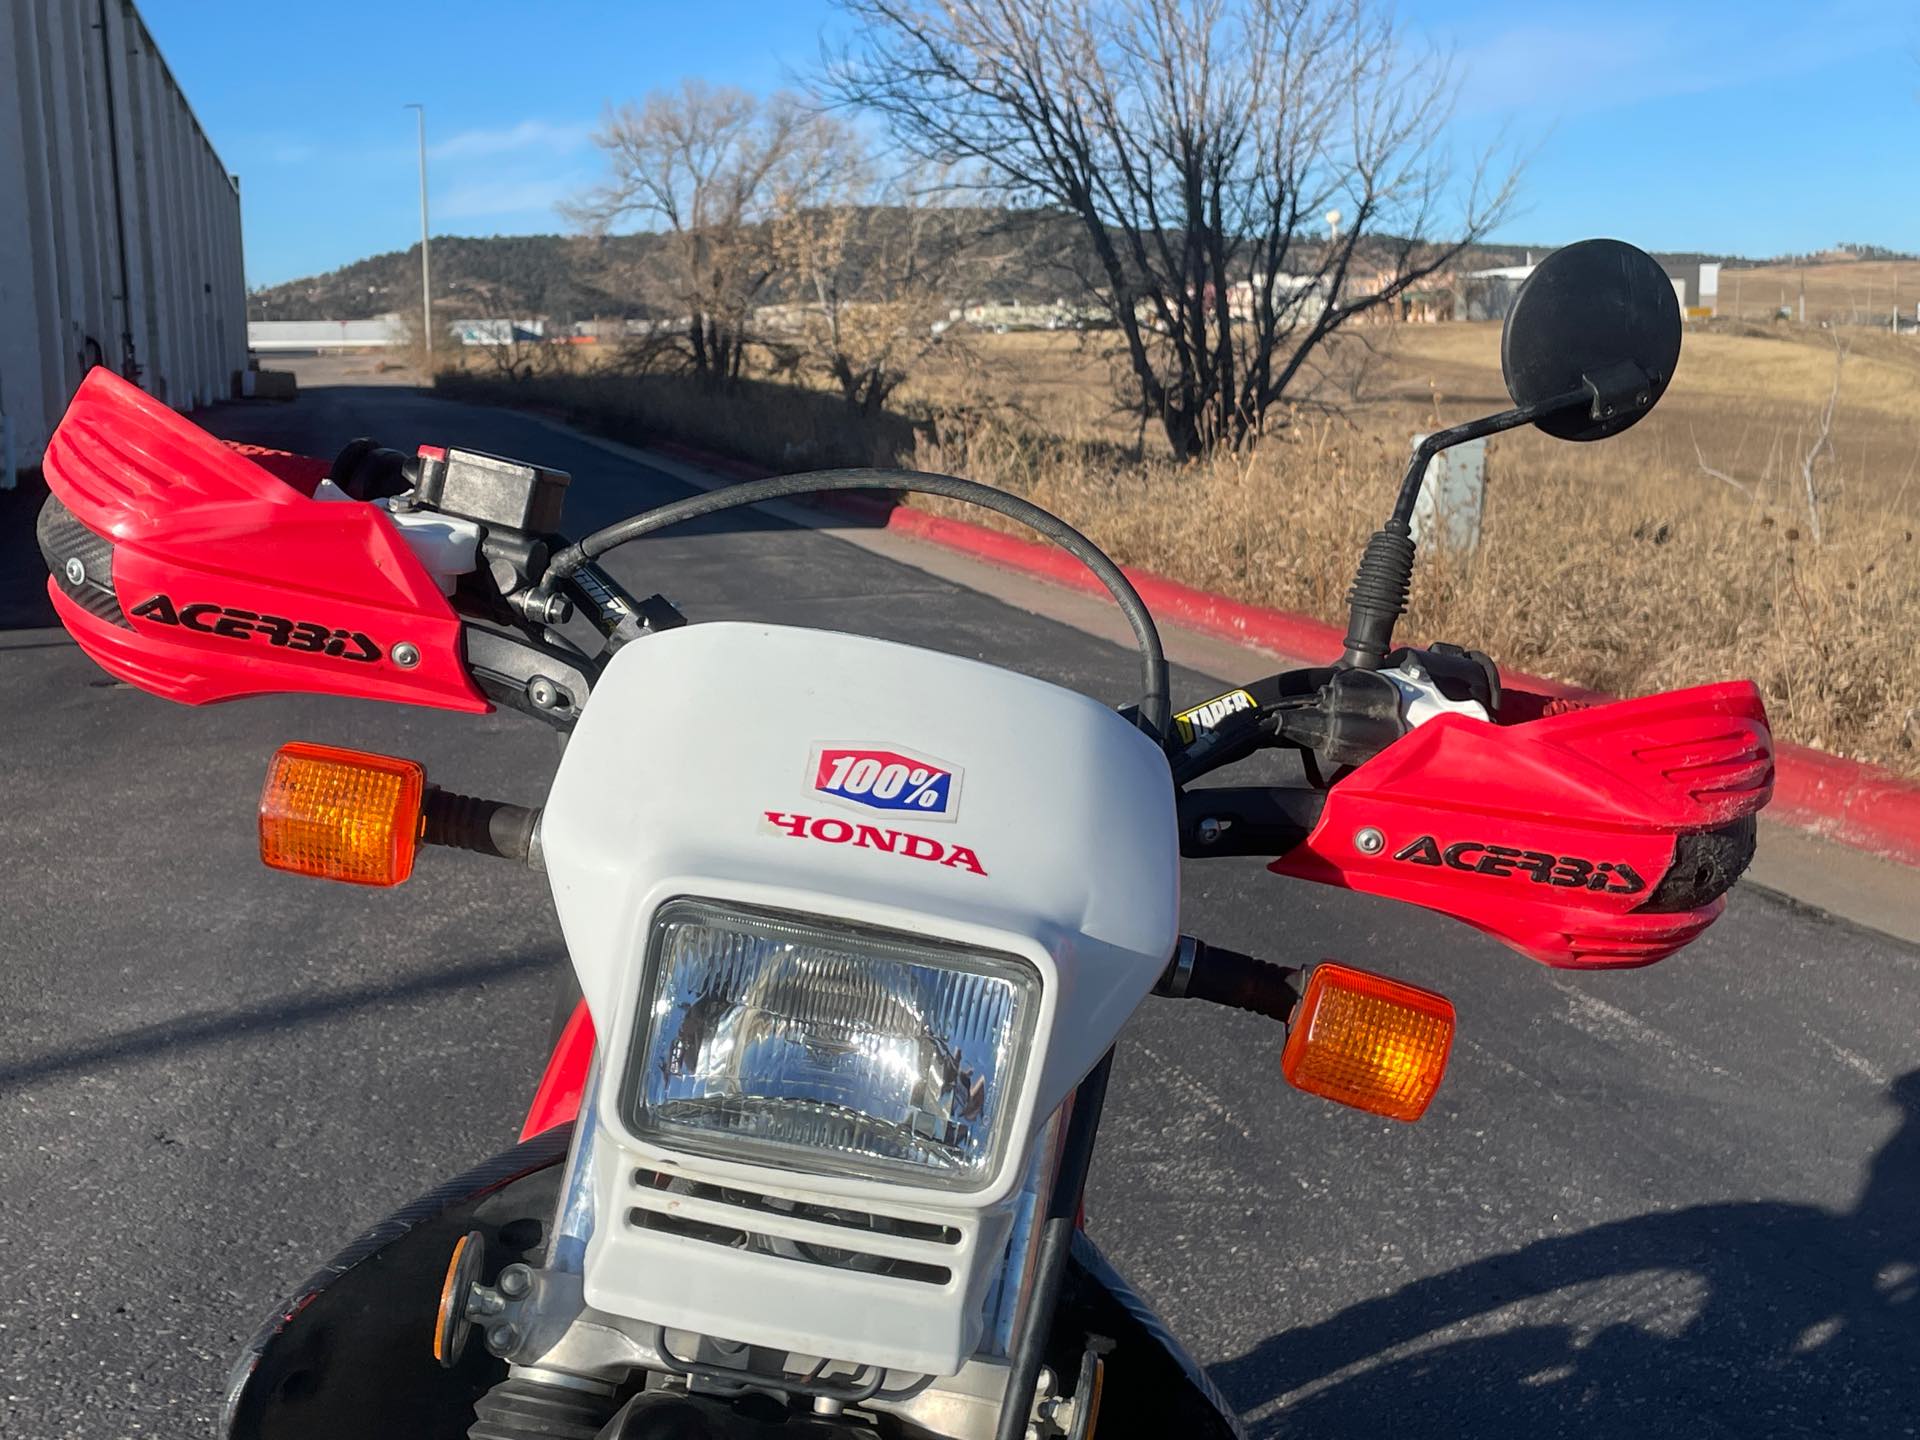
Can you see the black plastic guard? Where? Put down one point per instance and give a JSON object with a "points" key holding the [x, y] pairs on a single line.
{"points": [[351, 1352], [1155, 1390]]}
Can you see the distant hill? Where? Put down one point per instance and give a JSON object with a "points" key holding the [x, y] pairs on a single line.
{"points": [[1027, 256], [472, 277], [1032, 257]]}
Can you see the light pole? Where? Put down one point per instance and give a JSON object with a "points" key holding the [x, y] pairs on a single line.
{"points": [[426, 270]]}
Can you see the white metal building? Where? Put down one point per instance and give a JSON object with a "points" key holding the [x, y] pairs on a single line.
{"points": [[119, 225]]}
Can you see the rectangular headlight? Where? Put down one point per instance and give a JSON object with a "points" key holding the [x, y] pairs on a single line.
{"points": [[827, 1047]]}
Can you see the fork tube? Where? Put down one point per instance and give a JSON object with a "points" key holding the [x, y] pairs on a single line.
{"points": [[1056, 1240], [573, 1220], [1013, 1291]]}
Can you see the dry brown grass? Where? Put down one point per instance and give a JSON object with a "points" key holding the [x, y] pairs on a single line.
{"points": [[1845, 287], [1745, 396], [1592, 569], [1623, 565]]}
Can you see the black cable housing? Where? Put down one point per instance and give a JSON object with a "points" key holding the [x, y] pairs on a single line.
{"points": [[1378, 597], [1156, 709]]}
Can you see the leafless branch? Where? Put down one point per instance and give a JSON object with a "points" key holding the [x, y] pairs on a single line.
{"points": [[1198, 143], [711, 168], [1741, 485], [1822, 441]]}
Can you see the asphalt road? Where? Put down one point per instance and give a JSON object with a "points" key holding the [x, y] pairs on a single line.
{"points": [[1677, 1201]]}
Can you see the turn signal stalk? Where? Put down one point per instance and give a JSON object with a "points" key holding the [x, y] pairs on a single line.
{"points": [[341, 814], [1369, 1042]]}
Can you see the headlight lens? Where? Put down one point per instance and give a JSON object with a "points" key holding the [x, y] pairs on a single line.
{"points": [[828, 1047]]}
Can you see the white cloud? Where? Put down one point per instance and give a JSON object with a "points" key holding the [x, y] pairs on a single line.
{"points": [[556, 137], [1565, 64], [495, 197]]}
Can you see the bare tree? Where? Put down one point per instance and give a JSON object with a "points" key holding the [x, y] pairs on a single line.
{"points": [[711, 167], [1197, 142], [872, 282], [1802, 465], [520, 352], [1822, 440]]}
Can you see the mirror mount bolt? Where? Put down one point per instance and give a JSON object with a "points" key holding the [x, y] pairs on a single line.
{"points": [[1621, 386]]}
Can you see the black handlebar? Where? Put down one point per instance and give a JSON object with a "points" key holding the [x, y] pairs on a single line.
{"points": [[1155, 707], [530, 582]]}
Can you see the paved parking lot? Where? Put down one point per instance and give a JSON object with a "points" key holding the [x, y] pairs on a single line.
{"points": [[1677, 1201]]}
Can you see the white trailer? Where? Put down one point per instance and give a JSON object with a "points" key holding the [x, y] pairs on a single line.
{"points": [[119, 225], [296, 337]]}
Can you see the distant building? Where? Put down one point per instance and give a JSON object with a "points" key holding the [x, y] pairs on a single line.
{"points": [[1696, 285], [498, 332], [1428, 304], [1304, 295], [1489, 294], [1436, 298], [1005, 315]]}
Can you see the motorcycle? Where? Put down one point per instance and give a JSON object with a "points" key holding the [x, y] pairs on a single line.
{"points": [[855, 929]]}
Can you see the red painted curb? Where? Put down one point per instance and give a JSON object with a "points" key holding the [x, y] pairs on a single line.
{"points": [[1848, 801]]}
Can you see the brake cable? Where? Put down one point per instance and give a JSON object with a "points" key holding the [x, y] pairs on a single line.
{"points": [[1155, 709]]}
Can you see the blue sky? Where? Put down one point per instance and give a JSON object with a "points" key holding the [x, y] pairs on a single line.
{"points": [[1753, 128]]}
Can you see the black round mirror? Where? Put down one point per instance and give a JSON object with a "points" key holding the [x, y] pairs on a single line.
{"points": [[1599, 316]]}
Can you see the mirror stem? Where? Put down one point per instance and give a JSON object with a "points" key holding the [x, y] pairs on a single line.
{"points": [[1378, 597], [1475, 430]]}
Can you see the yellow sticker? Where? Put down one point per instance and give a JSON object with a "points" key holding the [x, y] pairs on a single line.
{"points": [[1202, 718]]}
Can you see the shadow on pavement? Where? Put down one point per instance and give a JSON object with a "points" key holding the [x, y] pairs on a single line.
{"points": [[23, 574], [1782, 1319], [606, 486], [186, 1031]]}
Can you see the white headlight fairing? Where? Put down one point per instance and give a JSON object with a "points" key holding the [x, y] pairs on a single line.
{"points": [[1041, 833], [828, 1048]]}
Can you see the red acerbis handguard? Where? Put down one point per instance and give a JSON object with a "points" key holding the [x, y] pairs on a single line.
{"points": [[1597, 838], [200, 571]]}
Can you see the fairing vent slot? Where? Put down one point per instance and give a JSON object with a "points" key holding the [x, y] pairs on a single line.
{"points": [[836, 1237], [65, 541]]}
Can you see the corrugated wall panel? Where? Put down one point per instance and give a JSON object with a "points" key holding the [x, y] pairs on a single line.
{"points": [[137, 334], [20, 350], [40, 280], [20, 376], [133, 260]]}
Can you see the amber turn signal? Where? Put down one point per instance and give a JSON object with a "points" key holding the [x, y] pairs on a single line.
{"points": [[341, 814], [1369, 1042]]}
